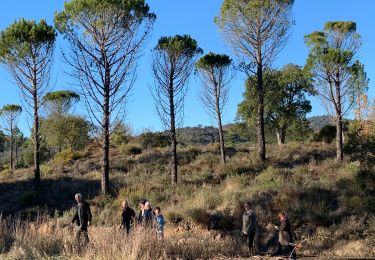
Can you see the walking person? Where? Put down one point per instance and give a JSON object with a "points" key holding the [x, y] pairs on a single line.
{"points": [[148, 216], [127, 217], [285, 236], [142, 211], [159, 221], [249, 222], [83, 218]]}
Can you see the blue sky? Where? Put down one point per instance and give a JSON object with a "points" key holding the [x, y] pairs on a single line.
{"points": [[195, 17]]}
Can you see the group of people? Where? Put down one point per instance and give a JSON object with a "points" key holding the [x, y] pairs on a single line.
{"points": [[147, 217], [285, 238], [150, 218]]}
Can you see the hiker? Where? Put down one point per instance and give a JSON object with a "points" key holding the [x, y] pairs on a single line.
{"points": [[249, 222], [127, 217], [142, 211], [148, 215], [159, 221], [285, 236], [83, 219]]}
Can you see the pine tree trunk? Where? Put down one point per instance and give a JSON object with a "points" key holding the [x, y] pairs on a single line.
{"points": [[280, 134], [221, 139], [174, 162], [260, 115], [36, 145], [220, 126], [11, 146], [339, 130], [339, 139], [105, 141]]}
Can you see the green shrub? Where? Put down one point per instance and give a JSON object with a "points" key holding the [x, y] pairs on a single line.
{"points": [[198, 215], [172, 216], [130, 149], [270, 179], [327, 134], [67, 156], [152, 140]]}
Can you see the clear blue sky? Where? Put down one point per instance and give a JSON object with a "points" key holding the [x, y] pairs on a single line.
{"points": [[195, 17]]}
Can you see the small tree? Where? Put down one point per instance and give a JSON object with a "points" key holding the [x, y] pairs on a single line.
{"points": [[257, 30], [105, 39], [10, 114], [338, 77], [216, 73], [173, 62], [285, 96], [54, 128], [26, 49]]}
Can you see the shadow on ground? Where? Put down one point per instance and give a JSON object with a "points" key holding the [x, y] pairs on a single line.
{"points": [[17, 197]]}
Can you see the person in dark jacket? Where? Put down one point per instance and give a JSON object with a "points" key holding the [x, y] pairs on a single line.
{"points": [[83, 219], [249, 222], [127, 217], [142, 211], [285, 236]]}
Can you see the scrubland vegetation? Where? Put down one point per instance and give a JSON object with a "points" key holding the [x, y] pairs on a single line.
{"points": [[330, 204]]}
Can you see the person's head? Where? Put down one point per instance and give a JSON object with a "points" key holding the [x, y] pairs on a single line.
{"points": [[78, 197], [281, 215], [125, 204], [142, 203], [247, 206], [147, 205], [157, 210]]}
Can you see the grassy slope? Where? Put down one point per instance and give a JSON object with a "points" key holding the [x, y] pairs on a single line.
{"points": [[327, 203]]}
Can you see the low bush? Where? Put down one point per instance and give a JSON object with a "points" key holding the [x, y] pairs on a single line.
{"points": [[130, 149]]}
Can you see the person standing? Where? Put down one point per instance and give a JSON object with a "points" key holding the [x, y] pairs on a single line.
{"points": [[159, 219], [142, 211], [148, 214], [249, 222], [83, 218], [127, 217], [285, 236]]}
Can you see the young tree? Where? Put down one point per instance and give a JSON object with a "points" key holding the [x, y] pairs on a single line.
{"points": [[18, 143], [257, 30], [216, 73], [26, 49], [286, 104], [338, 77], [56, 127], [173, 62], [105, 39], [10, 114]]}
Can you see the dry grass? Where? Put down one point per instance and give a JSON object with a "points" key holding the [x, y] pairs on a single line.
{"points": [[52, 239]]}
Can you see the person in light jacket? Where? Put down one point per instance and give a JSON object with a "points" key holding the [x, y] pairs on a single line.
{"points": [[249, 223], [285, 236]]}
